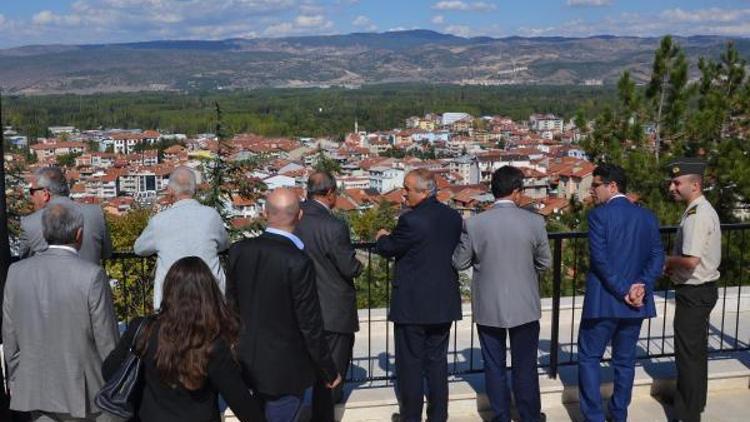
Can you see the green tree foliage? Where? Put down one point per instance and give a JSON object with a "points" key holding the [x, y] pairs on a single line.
{"points": [[16, 197], [227, 179], [296, 112], [393, 153], [126, 228], [326, 164], [67, 160], [133, 287], [720, 128], [366, 224], [667, 91]]}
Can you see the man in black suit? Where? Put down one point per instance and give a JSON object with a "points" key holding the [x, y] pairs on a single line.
{"points": [[425, 299], [271, 284], [328, 244]]}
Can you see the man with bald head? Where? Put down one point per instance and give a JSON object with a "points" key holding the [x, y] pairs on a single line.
{"points": [[271, 285], [187, 228]]}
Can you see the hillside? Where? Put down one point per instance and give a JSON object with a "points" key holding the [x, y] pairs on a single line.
{"points": [[344, 60]]}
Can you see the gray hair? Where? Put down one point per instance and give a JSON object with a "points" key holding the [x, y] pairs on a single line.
{"points": [[52, 179], [425, 180], [320, 183], [61, 222], [182, 181]]}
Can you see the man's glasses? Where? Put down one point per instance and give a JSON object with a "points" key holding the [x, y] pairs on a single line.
{"points": [[34, 190]]}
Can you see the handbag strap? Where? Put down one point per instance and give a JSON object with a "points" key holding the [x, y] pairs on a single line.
{"points": [[138, 330]]}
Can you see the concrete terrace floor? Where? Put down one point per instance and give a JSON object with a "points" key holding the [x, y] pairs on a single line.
{"points": [[729, 372]]}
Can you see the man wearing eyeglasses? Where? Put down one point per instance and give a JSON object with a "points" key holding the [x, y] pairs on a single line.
{"points": [[48, 186], [626, 258]]}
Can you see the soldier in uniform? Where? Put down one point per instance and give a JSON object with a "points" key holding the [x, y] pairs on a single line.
{"points": [[693, 268]]}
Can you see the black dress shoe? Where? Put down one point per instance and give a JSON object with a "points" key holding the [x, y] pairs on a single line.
{"points": [[542, 417], [396, 417]]}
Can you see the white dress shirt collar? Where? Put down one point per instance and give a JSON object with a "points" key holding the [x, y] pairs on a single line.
{"points": [[64, 247], [323, 205], [617, 195], [296, 240]]}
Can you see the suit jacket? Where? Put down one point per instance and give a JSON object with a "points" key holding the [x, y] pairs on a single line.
{"points": [[328, 244], [59, 326], [425, 284], [96, 245], [271, 284], [507, 247], [625, 248], [185, 229]]}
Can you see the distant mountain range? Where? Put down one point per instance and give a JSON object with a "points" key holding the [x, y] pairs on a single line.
{"points": [[338, 60]]}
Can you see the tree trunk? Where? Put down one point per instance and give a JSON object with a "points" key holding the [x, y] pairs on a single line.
{"points": [[657, 146], [4, 246], [4, 241]]}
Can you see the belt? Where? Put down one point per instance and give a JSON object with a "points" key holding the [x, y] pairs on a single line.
{"points": [[706, 284]]}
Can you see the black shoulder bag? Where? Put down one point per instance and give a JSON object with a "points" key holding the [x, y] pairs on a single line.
{"points": [[117, 396]]}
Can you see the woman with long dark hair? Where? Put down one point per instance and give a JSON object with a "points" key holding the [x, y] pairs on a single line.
{"points": [[187, 351]]}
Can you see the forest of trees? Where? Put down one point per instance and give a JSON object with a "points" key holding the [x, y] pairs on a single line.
{"points": [[295, 112]]}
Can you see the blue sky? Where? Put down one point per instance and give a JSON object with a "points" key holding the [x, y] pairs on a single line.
{"points": [[24, 22]]}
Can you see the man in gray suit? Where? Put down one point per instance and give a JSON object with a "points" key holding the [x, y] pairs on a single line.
{"points": [[507, 247], [48, 186], [58, 325], [187, 228]]}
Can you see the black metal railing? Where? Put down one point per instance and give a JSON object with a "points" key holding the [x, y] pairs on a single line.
{"points": [[562, 288]]}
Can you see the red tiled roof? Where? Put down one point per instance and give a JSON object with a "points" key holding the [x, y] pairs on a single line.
{"points": [[345, 203], [359, 196]]}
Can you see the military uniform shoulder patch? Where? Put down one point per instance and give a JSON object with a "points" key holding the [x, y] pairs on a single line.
{"points": [[692, 211]]}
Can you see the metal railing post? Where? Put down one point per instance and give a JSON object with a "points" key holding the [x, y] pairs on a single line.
{"points": [[554, 348]]}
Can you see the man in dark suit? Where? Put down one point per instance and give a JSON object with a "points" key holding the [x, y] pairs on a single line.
{"points": [[425, 299], [271, 284], [626, 258], [328, 244]]}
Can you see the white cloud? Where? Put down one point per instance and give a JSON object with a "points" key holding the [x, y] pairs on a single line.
{"points": [[105, 21], [460, 30], [711, 21], [46, 17], [438, 19], [363, 22], [592, 3], [462, 6], [714, 14], [301, 25], [310, 21]]}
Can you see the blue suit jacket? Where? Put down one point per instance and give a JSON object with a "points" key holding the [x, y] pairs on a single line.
{"points": [[624, 248], [425, 284]]}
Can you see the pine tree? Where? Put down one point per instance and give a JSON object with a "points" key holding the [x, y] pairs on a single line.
{"points": [[667, 92], [228, 179]]}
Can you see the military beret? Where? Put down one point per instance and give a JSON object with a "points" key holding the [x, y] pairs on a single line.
{"points": [[686, 165]]}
